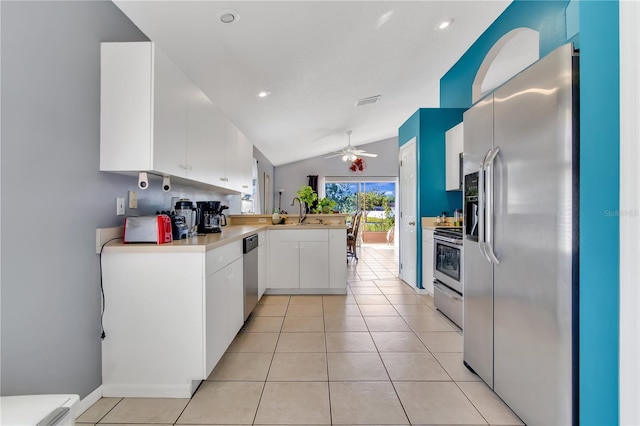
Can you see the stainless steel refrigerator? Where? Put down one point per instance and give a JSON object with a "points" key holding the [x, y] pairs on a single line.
{"points": [[521, 240]]}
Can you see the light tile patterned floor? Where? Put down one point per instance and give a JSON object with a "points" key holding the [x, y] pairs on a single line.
{"points": [[381, 354]]}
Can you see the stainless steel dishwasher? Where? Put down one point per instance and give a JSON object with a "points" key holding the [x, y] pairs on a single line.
{"points": [[250, 280]]}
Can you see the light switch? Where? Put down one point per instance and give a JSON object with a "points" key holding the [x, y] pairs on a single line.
{"points": [[120, 206]]}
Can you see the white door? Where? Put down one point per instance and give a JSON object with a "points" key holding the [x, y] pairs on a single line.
{"points": [[408, 195]]}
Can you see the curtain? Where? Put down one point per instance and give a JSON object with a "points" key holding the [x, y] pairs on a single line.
{"points": [[313, 183]]}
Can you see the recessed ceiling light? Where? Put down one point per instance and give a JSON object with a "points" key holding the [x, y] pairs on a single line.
{"points": [[444, 24], [227, 16], [264, 94]]}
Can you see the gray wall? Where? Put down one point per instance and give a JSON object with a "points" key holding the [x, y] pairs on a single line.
{"points": [[54, 197], [292, 176], [264, 166]]}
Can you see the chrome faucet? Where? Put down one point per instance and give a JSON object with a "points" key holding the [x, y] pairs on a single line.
{"points": [[301, 216]]}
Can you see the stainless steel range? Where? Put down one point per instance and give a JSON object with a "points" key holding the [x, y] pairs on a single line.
{"points": [[448, 281]]}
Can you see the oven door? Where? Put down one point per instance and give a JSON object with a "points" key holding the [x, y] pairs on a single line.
{"points": [[447, 264]]}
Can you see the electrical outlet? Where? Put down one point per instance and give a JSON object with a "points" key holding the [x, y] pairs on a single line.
{"points": [[120, 206], [133, 200]]}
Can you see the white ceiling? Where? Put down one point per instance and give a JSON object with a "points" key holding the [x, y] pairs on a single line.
{"points": [[317, 58]]}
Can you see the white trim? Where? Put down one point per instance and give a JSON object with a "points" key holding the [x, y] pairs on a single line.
{"points": [[150, 390], [332, 179], [629, 213], [85, 403]]}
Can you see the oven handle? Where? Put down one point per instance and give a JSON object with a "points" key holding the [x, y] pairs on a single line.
{"points": [[455, 241], [490, 196], [481, 202]]}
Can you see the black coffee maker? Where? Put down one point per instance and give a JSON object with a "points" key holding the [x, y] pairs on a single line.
{"points": [[211, 217]]}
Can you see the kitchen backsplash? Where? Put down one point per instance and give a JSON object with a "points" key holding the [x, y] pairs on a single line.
{"points": [[155, 199]]}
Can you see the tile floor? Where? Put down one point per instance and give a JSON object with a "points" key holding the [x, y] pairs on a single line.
{"points": [[379, 355]]}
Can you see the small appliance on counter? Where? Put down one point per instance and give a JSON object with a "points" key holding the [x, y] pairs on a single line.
{"points": [[148, 229], [185, 208], [179, 227], [210, 217]]}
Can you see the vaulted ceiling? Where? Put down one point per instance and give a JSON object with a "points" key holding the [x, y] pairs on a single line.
{"points": [[317, 58]]}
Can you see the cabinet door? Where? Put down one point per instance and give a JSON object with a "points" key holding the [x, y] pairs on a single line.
{"points": [[284, 264], [314, 264], [262, 269], [223, 136], [204, 160], [216, 318], [453, 148], [235, 298], [232, 173], [244, 161], [338, 258], [171, 93], [125, 106], [427, 260]]}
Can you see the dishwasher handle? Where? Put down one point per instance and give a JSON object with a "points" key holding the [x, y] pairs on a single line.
{"points": [[249, 243]]}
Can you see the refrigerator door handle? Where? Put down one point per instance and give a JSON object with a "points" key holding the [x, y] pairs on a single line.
{"points": [[490, 196], [481, 206]]}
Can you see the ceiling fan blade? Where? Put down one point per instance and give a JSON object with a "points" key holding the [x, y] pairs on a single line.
{"points": [[334, 155], [367, 154]]}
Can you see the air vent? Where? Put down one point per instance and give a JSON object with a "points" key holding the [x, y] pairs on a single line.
{"points": [[367, 101]]}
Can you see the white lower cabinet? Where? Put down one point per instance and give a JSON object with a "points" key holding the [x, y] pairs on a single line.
{"points": [[427, 260], [337, 258], [169, 318], [314, 264], [284, 263], [263, 246], [224, 311], [307, 260]]}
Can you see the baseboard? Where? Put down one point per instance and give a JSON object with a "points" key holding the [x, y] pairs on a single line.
{"points": [[149, 391], [86, 402], [305, 291]]}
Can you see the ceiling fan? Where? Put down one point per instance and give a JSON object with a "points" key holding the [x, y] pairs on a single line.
{"points": [[350, 153]]}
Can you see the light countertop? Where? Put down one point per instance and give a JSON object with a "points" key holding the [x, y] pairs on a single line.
{"points": [[430, 223], [204, 243]]}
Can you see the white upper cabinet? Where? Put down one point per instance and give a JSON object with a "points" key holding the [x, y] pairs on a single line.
{"points": [[244, 168], [154, 118], [453, 149]]}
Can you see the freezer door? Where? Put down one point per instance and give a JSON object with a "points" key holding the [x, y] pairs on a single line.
{"points": [[478, 272], [534, 178]]}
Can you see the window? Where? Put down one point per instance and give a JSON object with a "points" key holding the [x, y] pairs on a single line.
{"points": [[376, 198]]}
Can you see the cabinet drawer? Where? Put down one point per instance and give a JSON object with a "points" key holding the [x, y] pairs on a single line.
{"points": [[217, 259], [299, 235]]}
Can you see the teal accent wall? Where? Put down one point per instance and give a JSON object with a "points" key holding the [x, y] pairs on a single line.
{"points": [[546, 17], [599, 214], [428, 126]]}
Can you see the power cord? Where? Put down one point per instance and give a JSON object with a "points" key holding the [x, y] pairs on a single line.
{"points": [[102, 333]]}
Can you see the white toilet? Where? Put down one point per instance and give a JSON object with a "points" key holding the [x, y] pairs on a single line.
{"points": [[38, 410]]}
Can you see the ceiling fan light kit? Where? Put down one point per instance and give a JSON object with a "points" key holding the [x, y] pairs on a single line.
{"points": [[350, 153]]}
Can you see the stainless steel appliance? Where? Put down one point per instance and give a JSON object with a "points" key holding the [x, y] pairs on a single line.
{"points": [[250, 273], [147, 229], [521, 267], [447, 272], [186, 209]]}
